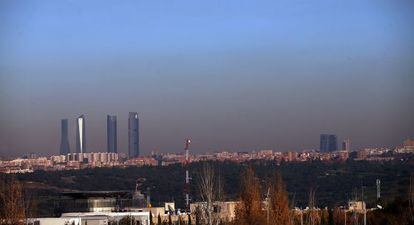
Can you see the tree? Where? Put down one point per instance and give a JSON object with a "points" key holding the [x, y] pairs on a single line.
{"points": [[206, 183], [159, 222], [249, 210], [198, 216], [339, 215], [313, 216], [331, 217], [12, 210], [279, 203], [324, 217], [189, 219], [29, 203], [150, 219]]}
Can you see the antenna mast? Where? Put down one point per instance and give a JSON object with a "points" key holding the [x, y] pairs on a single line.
{"points": [[187, 176]]}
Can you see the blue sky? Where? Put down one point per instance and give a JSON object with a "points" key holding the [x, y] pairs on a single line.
{"points": [[239, 75]]}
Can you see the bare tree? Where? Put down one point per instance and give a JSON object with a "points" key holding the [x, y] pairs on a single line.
{"points": [[11, 202], [198, 213], [313, 217], [219, 197], [292, 206], [206, 183], [355, 217], [29, 203], [279, 202], [249, 210]]}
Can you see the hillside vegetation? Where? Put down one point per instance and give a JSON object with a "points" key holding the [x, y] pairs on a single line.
{"points": [[335, 183]]}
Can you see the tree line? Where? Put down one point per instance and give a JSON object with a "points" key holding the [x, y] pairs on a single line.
{"points": [[257, 185]]}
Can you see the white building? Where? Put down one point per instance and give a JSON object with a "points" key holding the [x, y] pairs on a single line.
{"points": [[91, 218]]}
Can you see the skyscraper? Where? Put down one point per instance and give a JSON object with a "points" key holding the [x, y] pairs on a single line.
{"points": [[111, 133], [80, 134], [346, 145], [133, 134], [328, 143], [64, 139]]}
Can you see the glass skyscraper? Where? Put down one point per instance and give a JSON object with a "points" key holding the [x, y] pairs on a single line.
{"points": [[111, 133], [64, 139], [80, 134], [133, 135], [328, 143]]}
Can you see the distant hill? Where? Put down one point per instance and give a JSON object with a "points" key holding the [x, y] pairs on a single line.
{"points": [[335, 183]]}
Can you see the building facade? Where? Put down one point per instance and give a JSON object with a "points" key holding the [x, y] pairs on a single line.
{"points": [[64, 139], [111, 134], [133, 135], [80, 134], [328, 143]]}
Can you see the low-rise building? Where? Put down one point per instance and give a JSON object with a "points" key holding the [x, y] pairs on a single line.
{"points": [[356, 206], [226, 211]]}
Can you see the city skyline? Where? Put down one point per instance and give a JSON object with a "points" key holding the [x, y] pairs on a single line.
{"points": [[112, 143], [325, 143], [230, 75]]}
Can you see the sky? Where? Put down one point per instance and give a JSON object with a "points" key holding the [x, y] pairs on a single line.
{"points": [[230, 75]]}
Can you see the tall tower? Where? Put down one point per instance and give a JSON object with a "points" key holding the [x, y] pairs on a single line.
{"points": [[64, 139], [80, 134], [133, 135], [328, 143], [346, 145], [111, 133]]}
